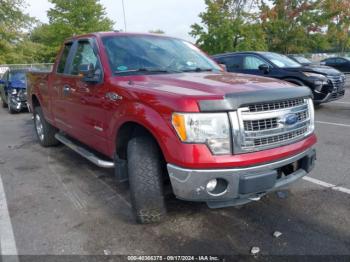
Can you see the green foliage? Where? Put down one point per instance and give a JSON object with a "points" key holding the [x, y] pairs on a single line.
{"points": [[338, 23], [227, 25], [289, 24], [285, 26], [68, 18], [14, 45]]}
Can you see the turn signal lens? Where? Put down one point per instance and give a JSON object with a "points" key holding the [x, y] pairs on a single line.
{"points": [[179, 125]]}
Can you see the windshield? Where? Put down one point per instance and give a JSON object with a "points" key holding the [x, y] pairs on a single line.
{"points": [[302, 60], [281, 61], [17, 77], [152, 54]]}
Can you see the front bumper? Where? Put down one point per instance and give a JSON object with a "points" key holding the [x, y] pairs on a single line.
{"points": [[243, 184], [17, 104], [333, 96], [330, 93]]}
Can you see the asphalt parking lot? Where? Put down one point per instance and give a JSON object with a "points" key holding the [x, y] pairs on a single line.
{"points": [[60, 204]]}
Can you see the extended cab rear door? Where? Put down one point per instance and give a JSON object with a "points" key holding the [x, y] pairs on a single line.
{"points": [[59, 81]]}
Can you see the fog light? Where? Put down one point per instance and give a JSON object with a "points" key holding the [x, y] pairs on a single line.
{"points": [[212, 185], [217, 187]]}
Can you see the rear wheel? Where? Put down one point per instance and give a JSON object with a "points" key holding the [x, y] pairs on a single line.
{"points": [[146, 179], [44, 131]]}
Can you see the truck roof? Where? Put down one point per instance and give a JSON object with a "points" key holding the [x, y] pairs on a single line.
{"points": [[114, 33]]}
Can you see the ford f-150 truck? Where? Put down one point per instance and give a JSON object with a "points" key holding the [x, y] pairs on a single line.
{"points": [[163, 114]]}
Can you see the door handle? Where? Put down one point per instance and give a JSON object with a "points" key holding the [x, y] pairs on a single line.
{"points": [[66, 89]]}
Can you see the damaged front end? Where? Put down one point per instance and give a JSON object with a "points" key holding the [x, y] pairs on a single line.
{"points": [[17, 99]]}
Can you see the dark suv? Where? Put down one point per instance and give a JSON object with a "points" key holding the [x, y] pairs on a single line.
{"points": [[326, 83]]}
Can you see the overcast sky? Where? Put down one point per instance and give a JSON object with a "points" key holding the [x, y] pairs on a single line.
{"points": [[172, 16]]}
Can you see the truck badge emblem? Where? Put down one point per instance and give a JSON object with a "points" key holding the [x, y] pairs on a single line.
{"points": [[113, 96], [290, 119]]}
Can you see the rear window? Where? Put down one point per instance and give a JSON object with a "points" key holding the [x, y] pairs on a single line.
{"points": [[63, 60]]}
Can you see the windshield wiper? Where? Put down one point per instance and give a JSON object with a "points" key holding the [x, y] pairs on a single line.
{"points": [[146, 70], [198, 69]]}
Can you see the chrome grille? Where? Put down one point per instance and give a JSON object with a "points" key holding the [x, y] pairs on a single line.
{"points": [[268, 125], [276, 105]]}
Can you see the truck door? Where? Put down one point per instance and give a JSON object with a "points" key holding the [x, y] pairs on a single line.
{"points": [[86, 103], [59, 82]]}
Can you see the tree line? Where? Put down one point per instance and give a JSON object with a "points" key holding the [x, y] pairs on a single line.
{"points": [[286, 26], [24, 39]]}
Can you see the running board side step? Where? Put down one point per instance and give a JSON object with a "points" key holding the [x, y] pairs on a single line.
{"points": [[84, 152]]}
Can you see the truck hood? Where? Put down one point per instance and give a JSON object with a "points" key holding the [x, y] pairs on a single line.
{"points": [[206, 92], [207, 84], [18, 84]]}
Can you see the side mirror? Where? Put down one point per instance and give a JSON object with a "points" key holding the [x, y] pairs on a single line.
{"points": [[265, 68], [89, 73]]}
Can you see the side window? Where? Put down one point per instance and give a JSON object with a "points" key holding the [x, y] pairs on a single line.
{"points": [[62, 64], [85, 55], [232, 63], [330, 61], [341, 61], [252, 63]]}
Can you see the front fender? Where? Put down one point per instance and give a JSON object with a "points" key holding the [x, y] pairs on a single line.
{"points": [[158, 125]]}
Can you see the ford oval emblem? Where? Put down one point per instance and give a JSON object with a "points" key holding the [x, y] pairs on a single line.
{"points": [[291, 119]]}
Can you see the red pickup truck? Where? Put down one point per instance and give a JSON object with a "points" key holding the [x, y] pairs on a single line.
{"points": [[162, 113]]}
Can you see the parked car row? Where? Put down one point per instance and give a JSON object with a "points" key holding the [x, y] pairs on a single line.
{"points": [[326, 83]]}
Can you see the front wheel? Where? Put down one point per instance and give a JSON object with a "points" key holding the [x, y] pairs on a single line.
{"points": [[44, 131], [146, 179]]}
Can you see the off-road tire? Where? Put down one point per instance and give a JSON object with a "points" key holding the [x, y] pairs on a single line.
{"points": [[48, 131], [146, 180]]}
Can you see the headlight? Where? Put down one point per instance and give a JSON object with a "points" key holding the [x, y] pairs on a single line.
{"points": [[199, 128], [309, 74], [312, 115]]}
